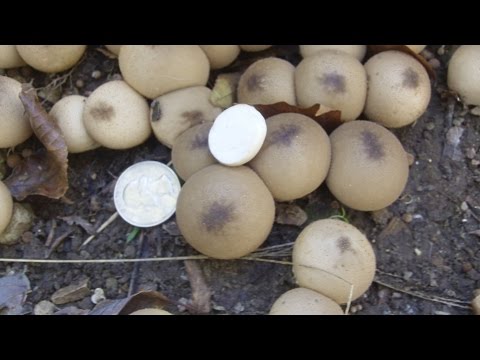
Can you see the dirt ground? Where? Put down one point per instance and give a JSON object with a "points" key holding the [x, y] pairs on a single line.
{"points": [[426, 246]]}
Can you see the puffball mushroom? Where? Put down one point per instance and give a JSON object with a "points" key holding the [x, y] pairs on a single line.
{"points": [[357, 51], [221, 56], [68, 114], [464, 73], [114, 48], [20, 222], [254, 48], [150, 311], [417, 49], [303, 301], [51, 58], [173, 113], [369, 168], [116, 116], [334, 79], [14, 124], [329, 256], [190, 152], [295, 156], [154, 70], [267, 81], [9, 57], [6, 207], [225, 212], [399, 89]]}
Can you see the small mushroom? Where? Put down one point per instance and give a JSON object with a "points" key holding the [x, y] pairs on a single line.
{"points": [[115, 49], [357, 51], [399, 89], [464, 73], [254, 48], [221, 56], [6, 207], [173, 113], [51, 58], [369, 168], [9, 57], [417, 48], [154, 70], [116, 116], [68, 114], [14, 123], [150, 311], [303, 301], [330, 256], [268, 81], [225, 212]]}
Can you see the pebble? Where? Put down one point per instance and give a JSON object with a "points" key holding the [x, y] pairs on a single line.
{"points": [[98, 296], [430, 126], [470, 153], [407, 218], [434, 63], [396, 295], [44, 307], [238, 308], [79, 83], [407, 275], [97, 74], [111, 285], [71, 293], [475, 111]]}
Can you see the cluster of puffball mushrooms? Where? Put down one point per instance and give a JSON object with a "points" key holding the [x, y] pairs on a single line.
{"points": [[235, 163]]}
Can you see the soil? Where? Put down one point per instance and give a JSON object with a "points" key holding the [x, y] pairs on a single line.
{"points": [[426, 246]]}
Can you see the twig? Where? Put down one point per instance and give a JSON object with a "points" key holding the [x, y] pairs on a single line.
{"points": [[51, 233], [103, 261], [102, 227], [57, 242], [131, 287]]}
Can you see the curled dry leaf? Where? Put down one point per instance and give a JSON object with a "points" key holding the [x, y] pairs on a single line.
{"points": [[141, 300], [201, 293], [13, 293], [45, 172]]}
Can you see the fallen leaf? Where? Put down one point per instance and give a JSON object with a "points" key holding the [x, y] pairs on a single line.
{"points": [[325, 117], [71, 310], [288, 214], [45, 172], [71, 293], [225, 89], [13, 293], [78, 220], [141, 300], [476, 233], [201, 293]]}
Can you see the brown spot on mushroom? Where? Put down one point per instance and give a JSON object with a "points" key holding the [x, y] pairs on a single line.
{"points": [[193, 117], [344, 244], [102, 111], [255, 82], [373, 147], [200, 141], [333, 82], [217, 216], [284, 135], [410, 78], [156, 111]]}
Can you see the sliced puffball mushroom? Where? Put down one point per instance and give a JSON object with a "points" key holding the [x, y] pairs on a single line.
{"points": [[330, 256], [399, 89], [369, 168], [173, 113], [268, 81], [9, 57], [417, 48], [51, 58], [254, 48], [6, 207], [225, 212], [14, 124], [464, 73], [68, 114], [221, 56], [334, 79], [295, 157], [114, 48], [357, 51], [150, 311], [190, 152], [116, 116], [303, 301], [154, 70]]}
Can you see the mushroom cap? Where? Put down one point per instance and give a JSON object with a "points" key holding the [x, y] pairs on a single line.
{"points": [[114, 48], [329, 255], [150, 311], [173, 113], [154, 70], [116, 116], [254, 48], [51, 58], [399, 89], [301, 301], [68, 114], [14, 122], [225, 212], [6, 208], [190, 152], [9, 57], [334, 79], [464, 73], [369, 168], [357, 51], [221, 56], [267, 81], [417, 48], [295, 156]]}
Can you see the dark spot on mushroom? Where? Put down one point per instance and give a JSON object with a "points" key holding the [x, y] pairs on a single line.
{"points": [[410, 78], [193, 117], [156, 111], [200, 141], [373, 147], [255, 82], [102, 111], [344, 244], [217, 216], [284, 135], [333, 82]]}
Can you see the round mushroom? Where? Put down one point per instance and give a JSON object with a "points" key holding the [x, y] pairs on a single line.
{"points": [[51, 58], [150, 311], [6, 207], [116, 116], [225, 212], [464, 73], [267, 81], [221, 56], [330, 256], [295, 156], [369, 168], [399, 89], [9, 57], [13, 120], [254, 48], [333, 79], [303, 301], [68, 114], [154, 70], [417, 49], [357, 51], [115, 49]]}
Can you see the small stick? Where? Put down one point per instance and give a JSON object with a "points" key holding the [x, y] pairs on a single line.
{"points": [[102, 227], [57, 242], [131, 288], [51, 234]]}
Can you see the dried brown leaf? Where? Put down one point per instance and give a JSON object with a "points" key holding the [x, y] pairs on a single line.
{"points": [[141, 300], [78, 220], [289, 214], [327, 118], [201, 293], [45, 172], [13, 293]]}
